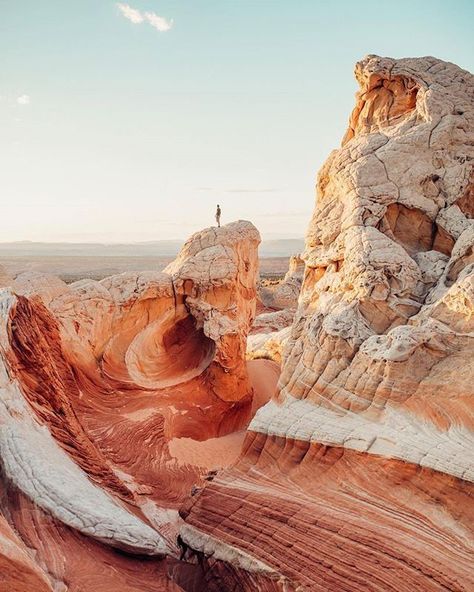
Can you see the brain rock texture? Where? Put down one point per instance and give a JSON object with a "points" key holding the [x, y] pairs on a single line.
{"points": [[362, 464]]}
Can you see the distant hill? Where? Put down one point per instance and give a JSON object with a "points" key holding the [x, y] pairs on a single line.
{"points": [[166, 248], [281, 247], [163, 248]]}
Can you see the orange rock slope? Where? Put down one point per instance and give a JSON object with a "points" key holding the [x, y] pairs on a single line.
{"points": [[358, 474], [116, 399]]}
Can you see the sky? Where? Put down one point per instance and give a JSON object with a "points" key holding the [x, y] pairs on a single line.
{"points": [[130, 121]]}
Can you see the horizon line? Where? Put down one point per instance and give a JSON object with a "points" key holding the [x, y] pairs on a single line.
{"points": [[98, 242]]}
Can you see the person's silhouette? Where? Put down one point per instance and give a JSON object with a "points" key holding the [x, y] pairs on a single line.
{"points": [[218, 215]]}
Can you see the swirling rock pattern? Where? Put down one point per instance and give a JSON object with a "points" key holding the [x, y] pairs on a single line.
{"points": [[358, 474], [103, 385]]}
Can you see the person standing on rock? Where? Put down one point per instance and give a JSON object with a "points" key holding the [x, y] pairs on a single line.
{"points": [[218, 215]]}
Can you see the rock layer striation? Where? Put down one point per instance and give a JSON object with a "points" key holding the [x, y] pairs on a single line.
{"points": [[102, 384]]}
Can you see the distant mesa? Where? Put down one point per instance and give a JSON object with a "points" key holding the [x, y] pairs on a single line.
{"points": [[284, 247]]}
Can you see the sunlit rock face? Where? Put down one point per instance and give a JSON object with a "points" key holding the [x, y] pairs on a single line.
{"points": [[117, 398], [361, 467], [269, 334]]}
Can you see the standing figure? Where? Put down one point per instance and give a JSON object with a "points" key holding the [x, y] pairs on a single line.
{"points": [[218, 215]]}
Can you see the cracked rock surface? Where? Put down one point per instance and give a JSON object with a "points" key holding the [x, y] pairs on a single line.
{"points": [[361, 466]]}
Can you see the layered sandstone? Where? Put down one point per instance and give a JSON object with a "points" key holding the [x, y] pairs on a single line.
{"points": [[110, 394], [361, 466], [268, 344]]}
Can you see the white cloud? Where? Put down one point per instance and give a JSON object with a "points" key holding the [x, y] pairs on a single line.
{"points": [[23, 100], [159, 22], [132, 14], [135, 16]]}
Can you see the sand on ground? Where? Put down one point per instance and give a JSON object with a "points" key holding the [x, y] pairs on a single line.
{"points": [[216, 453]]}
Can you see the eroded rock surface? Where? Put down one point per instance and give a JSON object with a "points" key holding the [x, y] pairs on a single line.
{"points": [[284, 295], [106, 389], [361, 466], [271, 329]]}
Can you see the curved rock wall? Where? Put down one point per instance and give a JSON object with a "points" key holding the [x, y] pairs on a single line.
{"points": [[100, 384]]}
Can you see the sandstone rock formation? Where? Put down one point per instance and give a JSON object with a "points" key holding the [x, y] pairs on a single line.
{"points": [[284, 295], [271, 328], [124, 403], [269, 334], [358, 474], [103, 385]]}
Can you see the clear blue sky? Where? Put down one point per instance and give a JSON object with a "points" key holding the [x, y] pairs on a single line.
{"points": [[114, 130]]}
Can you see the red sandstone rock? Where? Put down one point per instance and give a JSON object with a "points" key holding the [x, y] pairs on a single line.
{"points": [[18, 570], [102, 382], [332, 519]]}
